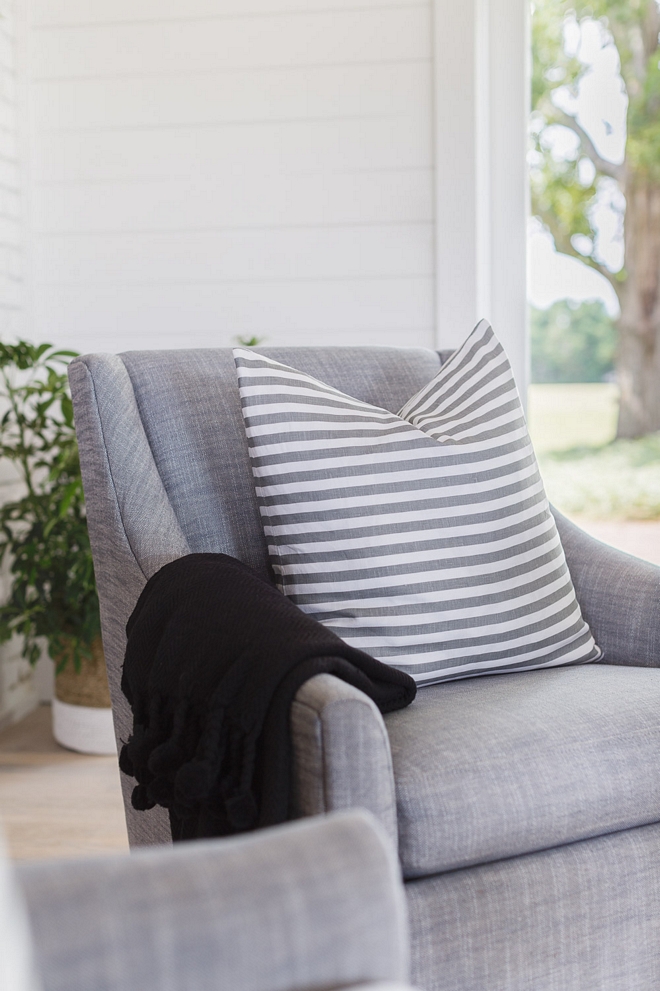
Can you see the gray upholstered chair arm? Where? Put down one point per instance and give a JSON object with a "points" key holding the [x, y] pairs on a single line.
{"points": [[315, 904], [380, 986], [342, 754], [619, 596]]}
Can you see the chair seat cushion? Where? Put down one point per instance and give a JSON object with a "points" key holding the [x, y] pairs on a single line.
{"points": [[496, 766]]}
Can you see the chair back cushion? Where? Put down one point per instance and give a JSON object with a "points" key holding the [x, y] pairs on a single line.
{"points": [[190, 409]]}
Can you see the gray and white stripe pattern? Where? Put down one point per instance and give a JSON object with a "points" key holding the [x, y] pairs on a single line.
{"points": [[423, 538]]}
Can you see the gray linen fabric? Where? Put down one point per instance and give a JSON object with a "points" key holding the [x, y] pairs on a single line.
{"points": [[619, 596], [317, 904], [509, 764], [342, 753], [583, 917], [132, 529], [156, 429], [166, 471], [380, 986]]}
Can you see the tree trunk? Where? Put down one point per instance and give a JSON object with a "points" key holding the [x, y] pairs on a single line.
{"points": [[638, 359]]}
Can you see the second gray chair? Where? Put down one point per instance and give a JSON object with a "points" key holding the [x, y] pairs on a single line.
{"points": [[525, 807], [309, 905]]}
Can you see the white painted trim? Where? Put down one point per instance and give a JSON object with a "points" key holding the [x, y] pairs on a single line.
{"points": [[455, 157], [482, 118], [481, 87]]}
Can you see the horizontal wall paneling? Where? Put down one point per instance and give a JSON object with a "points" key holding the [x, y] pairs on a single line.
{"points": [[237, 96], [162, 47], [148, 154], [207, 169], [267, 201], [361, 311], [55, 13], [289, 253]]}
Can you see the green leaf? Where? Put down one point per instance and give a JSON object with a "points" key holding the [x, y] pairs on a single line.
{"points": [[70, 493], [67, 411]]}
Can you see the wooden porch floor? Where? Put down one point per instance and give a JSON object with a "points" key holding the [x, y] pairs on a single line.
{"points": [[53, 802]]}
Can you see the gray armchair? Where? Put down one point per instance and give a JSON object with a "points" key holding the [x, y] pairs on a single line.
{"points": [[525, 807], [311, 905]]}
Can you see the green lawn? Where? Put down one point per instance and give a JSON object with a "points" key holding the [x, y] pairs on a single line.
{"points": [[562, 417], [585, 471]]}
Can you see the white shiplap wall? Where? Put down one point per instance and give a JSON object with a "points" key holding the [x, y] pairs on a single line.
{"points": [[202, 169], [11, 267], [17, 689]]}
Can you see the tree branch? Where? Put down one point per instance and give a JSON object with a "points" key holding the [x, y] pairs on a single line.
{"points": [[589, 149], [564, 246]]}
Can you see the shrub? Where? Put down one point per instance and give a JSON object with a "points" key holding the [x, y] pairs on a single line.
{"points": [[53, 593], [572, 342]]}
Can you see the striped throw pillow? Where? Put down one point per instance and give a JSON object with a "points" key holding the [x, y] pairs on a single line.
{"points": [[423, 538]]}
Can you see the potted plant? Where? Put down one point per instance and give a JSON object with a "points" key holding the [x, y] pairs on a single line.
{"points": [[43, 536]]}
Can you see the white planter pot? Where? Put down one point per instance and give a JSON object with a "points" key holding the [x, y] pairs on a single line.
{"points": [[83, 728]]}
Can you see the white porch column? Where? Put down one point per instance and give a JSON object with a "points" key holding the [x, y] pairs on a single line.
{"points": [[481, 86]]}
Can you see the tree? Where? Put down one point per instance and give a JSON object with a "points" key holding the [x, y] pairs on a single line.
{"points": [[565, 188]]}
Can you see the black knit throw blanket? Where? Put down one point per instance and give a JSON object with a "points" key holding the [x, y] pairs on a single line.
{"points": [[215, 656]]}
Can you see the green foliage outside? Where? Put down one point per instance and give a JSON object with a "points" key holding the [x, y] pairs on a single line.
{"points": [[44, 532], [585, 470], [563, 193], [572, 342], [567, 186], [619, 481]]}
